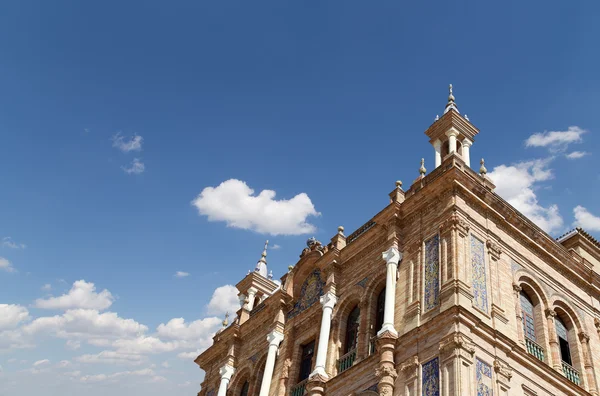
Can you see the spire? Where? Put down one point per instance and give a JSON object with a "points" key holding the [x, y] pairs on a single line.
{"points": [[451, 104], [261, 265]]}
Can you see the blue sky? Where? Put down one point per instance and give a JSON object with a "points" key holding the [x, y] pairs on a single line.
{"points": [[115, 117]]}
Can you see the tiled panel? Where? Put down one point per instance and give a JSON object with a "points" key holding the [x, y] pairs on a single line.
{"points": [[432, 273], [431, 378], [480, 298]]}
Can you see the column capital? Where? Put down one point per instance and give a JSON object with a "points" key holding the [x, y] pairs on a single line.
{"points": [[226, 372], [452, 132], [275, 337], [328, 300], [467, 143], [252, 291], [392, 256]]}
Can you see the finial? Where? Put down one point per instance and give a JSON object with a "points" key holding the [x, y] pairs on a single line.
{"points": [[341, 230], [437, 117], [271, 274], [261, 266], [467, 117], [451, 104], [248, 272], [482, 170], [398, 184], [290, 268], [422, 169], [264, 253], [226, 321]]}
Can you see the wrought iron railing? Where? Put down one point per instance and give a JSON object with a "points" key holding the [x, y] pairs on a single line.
{"points": [[571, 374], [372, 345], [534, 349], [346, 361], [299, 388]]}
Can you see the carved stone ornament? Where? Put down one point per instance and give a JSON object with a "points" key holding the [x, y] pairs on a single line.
{"points": [[285, 371], [502, 369], [494, 249], [410, 363], [584, 337], [454, 222], [517, 288], [550, 313], [456, 341], [386, 371], [597, 323]]}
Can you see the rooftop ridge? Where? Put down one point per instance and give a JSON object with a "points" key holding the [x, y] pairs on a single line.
{"points": [[582, 232]]}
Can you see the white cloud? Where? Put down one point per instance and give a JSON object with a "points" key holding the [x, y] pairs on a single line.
{"points": [[73, 344], [135, 168], [63, 364], [103, 377], [586, 220], [6, 265], [9, 243], [165, 364], [224, 299], [275, 247], [181, 274], [112, 357], [82, 295], [576, 155], [41, 363], [46, 287], [185, 384], [197, 331], [516, 184], [126, 145], [12, 315], [556, 141], [235, 203], [189, 355]]}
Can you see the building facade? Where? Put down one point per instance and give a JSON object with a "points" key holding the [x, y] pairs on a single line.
{"points": [[448, 290]]}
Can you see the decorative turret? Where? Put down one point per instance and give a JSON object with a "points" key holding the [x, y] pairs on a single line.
{"points": [[261, 265], [451, 133]]}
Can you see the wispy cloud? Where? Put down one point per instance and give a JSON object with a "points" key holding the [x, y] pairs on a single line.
{"points": [[556, 141], [275, 247], [47, 287], [135, 168], [126, 145], [6, 265], [576, 154], [41, 362], [585, 219], [9, 243], [181, 274]]}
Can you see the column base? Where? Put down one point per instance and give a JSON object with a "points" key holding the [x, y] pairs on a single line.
{"points": [[320, 373], [316, 385], [387, 328]]}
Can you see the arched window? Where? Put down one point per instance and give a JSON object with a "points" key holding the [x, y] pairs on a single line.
{"points": [[245, 387], [528, 318], [563, 341], [379, 311], [352, 330]]}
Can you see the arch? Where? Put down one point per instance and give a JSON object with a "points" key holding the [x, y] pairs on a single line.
{"points": [[532, 287], [536, 322], [351, 333], [243, 374], [567, 318], [560, 304]]}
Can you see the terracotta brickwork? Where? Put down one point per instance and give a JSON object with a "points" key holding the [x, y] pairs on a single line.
{"points": [[468, 260]]}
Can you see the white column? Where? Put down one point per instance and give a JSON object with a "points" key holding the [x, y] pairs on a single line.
{"points": [[226, 373], [452, 134], [328, 301], [251, 296], [466, 143], [392, 256], [437, 145], [274, 338]]}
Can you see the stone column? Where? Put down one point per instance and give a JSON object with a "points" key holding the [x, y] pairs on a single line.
{"points": [[452, 134], [588, 364], [386, 372], [437, 145], [226, 372], [466, 144], [392, 256], [328, 301], [519, 313], [553, 340], [251, 297], [274, 338]]}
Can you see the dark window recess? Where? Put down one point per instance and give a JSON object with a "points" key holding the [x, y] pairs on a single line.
{"points": [[244, 391], [380, 310], [563, 341], [306, 358], [352, 330]]}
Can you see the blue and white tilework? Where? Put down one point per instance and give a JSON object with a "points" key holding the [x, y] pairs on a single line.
{"points": [[312, 289], [484, 378], [431, 378], [432, 273], [480, 298]]}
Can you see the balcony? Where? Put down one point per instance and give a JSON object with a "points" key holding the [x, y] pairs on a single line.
{"points": [[346, 361], [534, 349], [299, 388], [571, 374]]}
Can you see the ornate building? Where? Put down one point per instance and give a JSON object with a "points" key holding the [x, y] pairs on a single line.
{"points": [[447, 291]]}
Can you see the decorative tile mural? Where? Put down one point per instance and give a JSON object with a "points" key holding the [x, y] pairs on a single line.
{"points": [[312, 289], [480, 298], [484, 378], [432, 273], [431, 378]]}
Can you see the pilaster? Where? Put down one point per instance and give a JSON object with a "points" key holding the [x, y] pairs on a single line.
{"points": [[456, 362]]}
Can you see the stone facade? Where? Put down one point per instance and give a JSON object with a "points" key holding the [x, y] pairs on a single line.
{"points": [[478, 301]]}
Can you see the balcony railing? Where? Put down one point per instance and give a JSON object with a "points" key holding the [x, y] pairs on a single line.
{"points": [[372, 345], [571, 374], [299, 388], [346, 361], [534, 349]]}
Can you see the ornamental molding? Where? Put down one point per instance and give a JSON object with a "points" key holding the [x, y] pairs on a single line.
{"points": [[410, 363], [502, 369], [456, 341], [494, 249]]}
